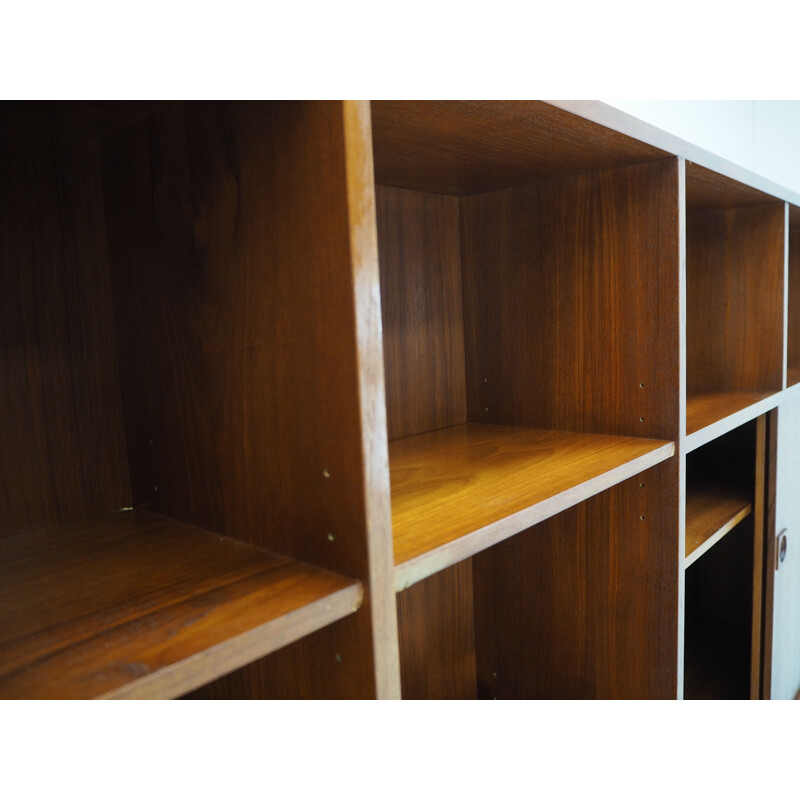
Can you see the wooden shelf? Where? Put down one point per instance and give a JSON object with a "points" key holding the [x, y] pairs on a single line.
{"points": [[729, 408], [135, 605], [460, 490], [711, 511]]}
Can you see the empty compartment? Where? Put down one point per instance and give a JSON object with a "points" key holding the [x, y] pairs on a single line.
{"points": [[182, 467], [724, 546], [529, 266], [720, 488], [581, 605], [735, 284]]}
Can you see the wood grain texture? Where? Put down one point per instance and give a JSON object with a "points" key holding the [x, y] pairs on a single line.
{"points": [[466, 147], [232, 233], [571, 303], [711, 511], [462, 489], [707, 189], [136, 605], [616, 120], [711, 414], [437, 636], [371, 395], [63, 449], [585, 605], [423, 322], [85, 119], [735, 274], [793, 291]]}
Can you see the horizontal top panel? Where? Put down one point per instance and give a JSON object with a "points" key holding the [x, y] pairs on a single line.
{"points": [[462, 489], [133, 604], [467, 147], [706, 189]]}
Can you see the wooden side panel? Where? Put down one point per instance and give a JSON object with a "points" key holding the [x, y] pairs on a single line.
{"points": [[423, 323], [232, 252], [585, 605], [571, 303], [785, 633], [793, 290], [735, 269], [437, 636], [63, 450]]}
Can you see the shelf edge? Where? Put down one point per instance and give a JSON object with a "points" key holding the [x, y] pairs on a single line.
{"points": [[195, 671], [703, 548], [423, 566]]}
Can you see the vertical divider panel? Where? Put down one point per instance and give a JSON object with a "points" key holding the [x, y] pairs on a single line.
{"points": [[241, 238]]}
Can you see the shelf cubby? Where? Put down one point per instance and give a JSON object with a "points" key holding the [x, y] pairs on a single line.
{"points": [[515, 265], [735, 285], [180, 333], [135, 605], [724, 500]]}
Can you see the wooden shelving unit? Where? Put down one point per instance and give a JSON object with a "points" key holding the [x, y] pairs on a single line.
{"points": [[460, 490], [396, 399], [134, 605], [711, 511]]}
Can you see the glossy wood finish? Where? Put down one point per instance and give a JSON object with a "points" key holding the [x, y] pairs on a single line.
{"points": [[552, 272], [437, 636], [136, 605], [244, 295], [735, 272], [460, 490], [711, 511], [423, 324], [711, 414], [793, 292], [783, 586], [560, 610], [707, 189], [466, 147], [63, 450]]}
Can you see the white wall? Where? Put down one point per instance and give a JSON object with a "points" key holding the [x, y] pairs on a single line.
{"points": [[761, 135]]}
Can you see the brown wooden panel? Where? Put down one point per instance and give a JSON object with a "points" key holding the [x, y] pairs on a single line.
{"points": [[571, 303], [437, 636], [87, 119], [711, 511], [585, 605], [460, 490], [136, 605], [63, 451], [706, 190], [793, 290], [735, 268], [231, 240], [463, 147], [423, 323]]}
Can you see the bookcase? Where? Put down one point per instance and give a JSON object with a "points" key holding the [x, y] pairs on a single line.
{"points": [[395, 399]]}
